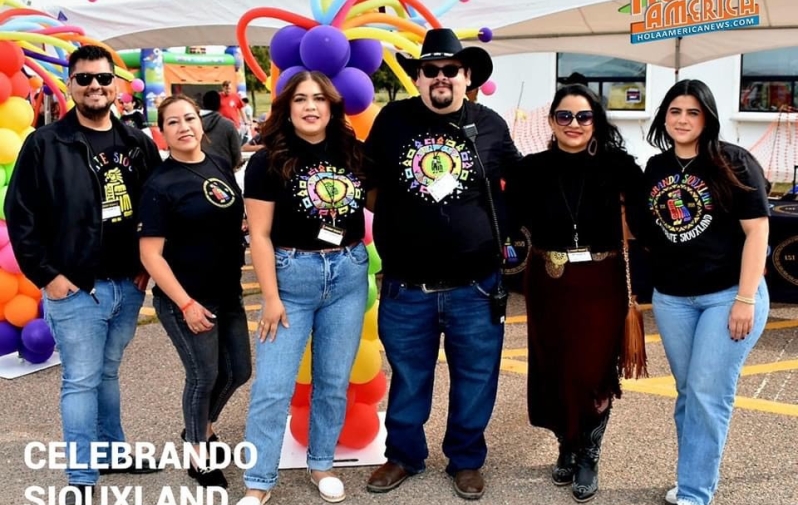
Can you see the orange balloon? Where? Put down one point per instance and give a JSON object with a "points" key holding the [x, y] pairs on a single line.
{"points": [[21, 310], [362, 122], [372, 391], [28, 288], [36, 82], [9, 286], [361, 426], [20, 85], [300, 424], [3, 312]]}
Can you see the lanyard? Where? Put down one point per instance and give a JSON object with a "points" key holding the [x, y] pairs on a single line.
{"points": [[574, 215]]}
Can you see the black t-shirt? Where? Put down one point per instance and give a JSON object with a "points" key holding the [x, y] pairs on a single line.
{"points": [[552, 189], [198, 209], [134, 119], [420, 239], [115, 176], [322, 191], [699, 247]]}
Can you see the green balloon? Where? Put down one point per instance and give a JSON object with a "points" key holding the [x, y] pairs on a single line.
{"points": [[3, 201], [3, 176], [372, 297], [9, 169], [375, 263]]}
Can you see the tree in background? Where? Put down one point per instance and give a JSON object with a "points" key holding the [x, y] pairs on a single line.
{"points": [[254, 86], [385, 79]]}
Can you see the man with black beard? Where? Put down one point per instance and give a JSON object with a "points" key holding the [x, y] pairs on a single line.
{"points": [[435, 231], [71, 211]]}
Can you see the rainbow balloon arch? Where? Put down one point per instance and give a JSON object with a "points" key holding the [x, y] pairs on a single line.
{"points": [[34, 53], [348, 40]]}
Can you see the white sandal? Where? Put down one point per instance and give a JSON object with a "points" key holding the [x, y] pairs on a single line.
{"points": [[251, 500], [331, 489]]}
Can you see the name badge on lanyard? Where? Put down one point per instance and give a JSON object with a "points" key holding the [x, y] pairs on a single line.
{"points": [[331, 234], [111, 210], [442, 187], [578, 254]]}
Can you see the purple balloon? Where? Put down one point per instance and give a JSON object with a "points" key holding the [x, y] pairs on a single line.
{"points": [[366, 54], [357, 89], [36, 337], [34, 357], [485, 34], [325, 49], [284, 49], [9, 338], [285, 76], [41, 309]]}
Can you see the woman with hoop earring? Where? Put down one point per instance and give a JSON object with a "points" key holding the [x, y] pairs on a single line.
{"points": [[569, 198]]}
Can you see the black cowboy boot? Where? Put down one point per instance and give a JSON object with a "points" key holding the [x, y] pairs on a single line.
{"points": [[585, 484], [563, 472]]}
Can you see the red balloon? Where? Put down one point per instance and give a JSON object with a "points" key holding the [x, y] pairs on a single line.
{"points": [[20, 85], [5, 87], [361, 426], [11, 58], [300, 424], [301, 396], [372, 391]]}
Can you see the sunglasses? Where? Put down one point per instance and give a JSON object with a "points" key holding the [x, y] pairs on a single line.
{"points": [[432, 71], [566, 117], [85, 78]]}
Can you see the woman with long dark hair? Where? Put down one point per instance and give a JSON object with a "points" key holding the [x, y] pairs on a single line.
{"points": [[569, 198], [708, 199], [304, 196]]}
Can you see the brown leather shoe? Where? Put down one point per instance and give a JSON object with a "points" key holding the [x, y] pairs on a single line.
{"points": [[469, 484], [386, 478]]}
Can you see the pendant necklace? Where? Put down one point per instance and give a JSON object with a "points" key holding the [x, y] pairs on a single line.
{"points": [[684, 165]]}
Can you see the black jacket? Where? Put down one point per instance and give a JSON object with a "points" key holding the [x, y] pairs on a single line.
{"points": [[221, 138], [53, 203]]}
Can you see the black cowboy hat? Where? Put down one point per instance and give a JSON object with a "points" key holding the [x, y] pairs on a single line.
{"points": [[443, 44]]}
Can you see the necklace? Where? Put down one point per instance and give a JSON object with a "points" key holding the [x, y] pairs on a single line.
{"points": [[684, 165]]}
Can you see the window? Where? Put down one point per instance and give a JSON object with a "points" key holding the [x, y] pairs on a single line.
{"points": [[769, 81], [620, 83]]}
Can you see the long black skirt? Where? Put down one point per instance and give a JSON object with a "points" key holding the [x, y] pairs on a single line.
{"points": [[575, 331]]}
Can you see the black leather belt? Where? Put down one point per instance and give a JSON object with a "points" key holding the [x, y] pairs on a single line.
{"points": [[437, 286]]}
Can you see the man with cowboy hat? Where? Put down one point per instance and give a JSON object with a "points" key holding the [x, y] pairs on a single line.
{"points": [[436, 159]]}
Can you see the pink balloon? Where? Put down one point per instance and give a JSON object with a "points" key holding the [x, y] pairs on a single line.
{"points": [[4, 240], [369, 218], [137, 85], [126, 98], [8, 261], [488, 88]]}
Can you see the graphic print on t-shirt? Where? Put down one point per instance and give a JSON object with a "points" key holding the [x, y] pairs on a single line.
{"points": [[218, 193], [111, 167], [326, 191], [427, 158], [682, 205]]}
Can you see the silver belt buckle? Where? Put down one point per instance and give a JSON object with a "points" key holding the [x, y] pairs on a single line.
{"points": [[426, 290]]}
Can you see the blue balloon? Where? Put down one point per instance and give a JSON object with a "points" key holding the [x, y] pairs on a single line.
{"points": [[34, 357], [284, 48], [356, 88], [36, 337], [324, 48], [286, 76], [9, 338], [366, 54]]}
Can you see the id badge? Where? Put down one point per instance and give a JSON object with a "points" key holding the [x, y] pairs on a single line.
{"points": [[579, 254], [331, 234], [111, 210], [442, 187]]}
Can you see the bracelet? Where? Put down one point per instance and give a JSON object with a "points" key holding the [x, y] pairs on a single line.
{"points": [[745, 300], [188, 304]]}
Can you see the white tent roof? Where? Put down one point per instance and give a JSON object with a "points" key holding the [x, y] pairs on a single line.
{"points": [[519, 26]]}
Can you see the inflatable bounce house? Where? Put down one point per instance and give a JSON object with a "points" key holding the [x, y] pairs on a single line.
{"points": [[165, 73]]}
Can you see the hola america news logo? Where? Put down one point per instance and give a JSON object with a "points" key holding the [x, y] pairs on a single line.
{"points": [[63, 455]]}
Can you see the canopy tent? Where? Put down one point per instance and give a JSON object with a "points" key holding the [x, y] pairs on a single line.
{"points": [[600, 27]]}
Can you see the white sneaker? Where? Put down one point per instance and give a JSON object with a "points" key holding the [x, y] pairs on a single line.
{"points": [[670, 496]]}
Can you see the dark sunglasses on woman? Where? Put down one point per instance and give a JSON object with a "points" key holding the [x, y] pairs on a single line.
{"points": [[85, 78], [565, 117]]}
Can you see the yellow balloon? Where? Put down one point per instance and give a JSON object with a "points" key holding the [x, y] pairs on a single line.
{"points": [[404, 79], [10, 144], [27, 131], [385, 36], [370, 323], [304, 377], [369, 5], [16, 114], [368, 362], [70, 104]]}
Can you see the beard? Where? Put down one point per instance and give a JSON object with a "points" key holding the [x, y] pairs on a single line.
{"points": [[441, 101], [94, 113]]}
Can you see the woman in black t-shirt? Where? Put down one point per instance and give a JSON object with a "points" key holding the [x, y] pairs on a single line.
{"points": [[707, 202], [304, 195], [569, 198], [191, 245]]}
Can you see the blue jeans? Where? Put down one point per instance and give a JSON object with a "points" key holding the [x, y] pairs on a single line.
{"points": [[324, 293], [91, 337], [410, 324], [217, 361], [706, 364]]}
